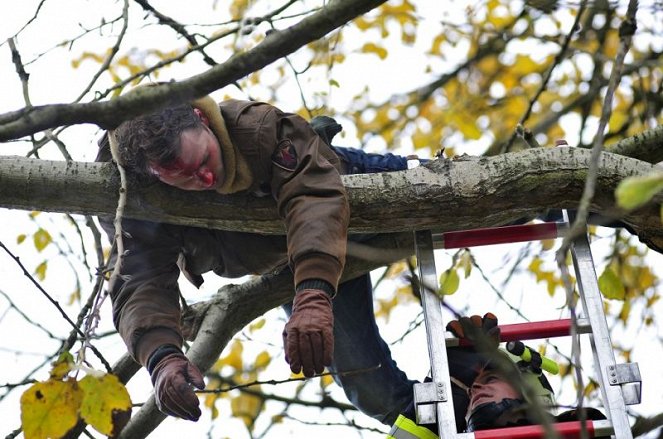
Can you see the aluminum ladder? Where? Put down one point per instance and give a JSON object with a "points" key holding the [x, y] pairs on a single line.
{"points": [[620, 384]]}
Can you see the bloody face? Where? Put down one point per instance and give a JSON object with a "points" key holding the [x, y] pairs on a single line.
{"points": [[489, 387], [198, 167]]}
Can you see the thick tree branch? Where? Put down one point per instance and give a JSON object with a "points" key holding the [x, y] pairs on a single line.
{"points": [[109, 114], [456, 194]]}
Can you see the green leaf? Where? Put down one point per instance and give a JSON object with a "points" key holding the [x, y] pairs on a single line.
{"points": [[611, 285], [106, 404], [62, 366], [50, 409], [449, 282], [633, 192], [41, 239]]}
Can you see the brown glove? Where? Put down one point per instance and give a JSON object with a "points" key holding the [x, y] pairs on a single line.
{"points": [[172, 376], [308, 337], [474, 327]]}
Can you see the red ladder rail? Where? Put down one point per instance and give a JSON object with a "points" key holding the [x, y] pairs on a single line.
{"points": [[530, 331], [567, 430], [499, 235]]}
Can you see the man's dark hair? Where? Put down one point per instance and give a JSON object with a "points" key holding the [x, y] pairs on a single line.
{"points": [[154, 138]]}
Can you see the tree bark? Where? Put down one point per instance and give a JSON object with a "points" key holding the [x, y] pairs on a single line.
{"points": [[464, 193]]}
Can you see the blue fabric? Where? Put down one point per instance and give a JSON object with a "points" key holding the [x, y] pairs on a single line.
{"points": [[361, 162]]}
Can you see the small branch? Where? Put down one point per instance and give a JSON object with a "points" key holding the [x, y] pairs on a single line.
{"points": [[54, 302], [558, 59], [177, 27], [290, 380], [22, 74], [28, 319], [113, 51]]}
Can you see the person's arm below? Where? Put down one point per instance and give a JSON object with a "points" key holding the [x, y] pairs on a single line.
{"points": [[146, 313]]}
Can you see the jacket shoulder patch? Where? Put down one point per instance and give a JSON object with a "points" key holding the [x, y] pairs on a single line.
{"points": [[285, 155]]}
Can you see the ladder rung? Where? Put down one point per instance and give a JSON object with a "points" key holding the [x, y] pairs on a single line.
{"points": [[567, 430], [530, 331], [499, 235]]}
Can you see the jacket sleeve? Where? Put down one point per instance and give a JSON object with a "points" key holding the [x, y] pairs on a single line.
{"points": [[146, 308], [310, 197]]}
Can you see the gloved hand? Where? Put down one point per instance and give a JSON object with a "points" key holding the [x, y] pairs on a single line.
{"points": [[308, 337], [474, 327], [172, 378]]}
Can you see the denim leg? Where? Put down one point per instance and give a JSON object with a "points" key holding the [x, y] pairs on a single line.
{"points": [[382, 393]]}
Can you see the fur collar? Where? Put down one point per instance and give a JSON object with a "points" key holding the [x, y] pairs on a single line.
{"points": [[237, 173]]}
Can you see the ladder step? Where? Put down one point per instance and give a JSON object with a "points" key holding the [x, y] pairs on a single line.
{"points": [[499, 235], [567, 430], [529, 331]]}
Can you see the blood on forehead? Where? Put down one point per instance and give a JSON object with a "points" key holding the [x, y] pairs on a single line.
{"points": [[176, 167]]}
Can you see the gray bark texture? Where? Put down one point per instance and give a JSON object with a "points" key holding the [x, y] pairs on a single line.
{"points": [[463, 193]]}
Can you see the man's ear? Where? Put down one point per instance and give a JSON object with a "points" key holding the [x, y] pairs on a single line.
{"points": [[202, 116]]}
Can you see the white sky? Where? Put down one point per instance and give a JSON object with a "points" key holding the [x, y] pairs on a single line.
{"points": [[52, 81]]}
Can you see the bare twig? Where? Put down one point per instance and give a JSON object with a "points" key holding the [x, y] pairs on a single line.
{"points": [[111, 54], [290, 380], [22, 74], [54, 302], [558, 58]]}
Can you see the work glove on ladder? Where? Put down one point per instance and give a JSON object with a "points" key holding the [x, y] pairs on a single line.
{"points": [[308, 337], [482, 331]]}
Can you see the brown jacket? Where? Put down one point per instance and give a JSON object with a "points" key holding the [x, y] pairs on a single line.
{"points": [[287, 159]]}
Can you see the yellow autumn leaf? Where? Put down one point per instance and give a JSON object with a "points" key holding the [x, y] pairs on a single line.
{"points": [[385, 306], [257, 324], [106, 404], [467, 125], [40, 271], [74, 297], [234, 357], [611, 285], [535, 267], [326, 381], [381, 52], [246, 407], [41, 239], [396, 269], [625, 311], [547, 244], [436, 45], [263, 359], [20, 238], [50, 409], [449, 282]]}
